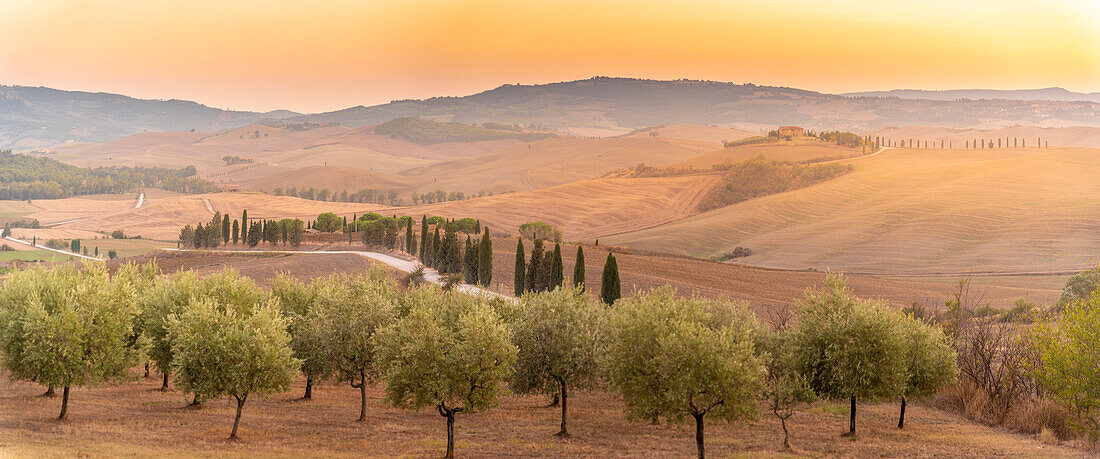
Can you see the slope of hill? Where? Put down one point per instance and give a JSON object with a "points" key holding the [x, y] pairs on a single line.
{"points": [[37, 117], [691, 131], [1073, 136], [549, 162], [913, 211], [622, 104], [778, 152], [331, 177], [587, 209], [1053, 94]]}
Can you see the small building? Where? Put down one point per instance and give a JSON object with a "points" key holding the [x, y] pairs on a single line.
{"points": [[231, 187], [790, 131]]}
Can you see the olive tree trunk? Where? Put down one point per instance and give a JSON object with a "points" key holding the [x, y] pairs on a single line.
{"points": [[237, 420], [699, 434], [564, 433], [852, 418], [164, 382], [64, 403], [901, 418], [309, 389]]}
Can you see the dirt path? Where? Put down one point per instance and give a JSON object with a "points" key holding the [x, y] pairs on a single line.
{"points": [[140, 201], [210, 208], [430, 274], [52, 249]]}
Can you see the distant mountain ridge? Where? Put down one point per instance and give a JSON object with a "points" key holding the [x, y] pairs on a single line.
{"points": [[597, 107], [33, 117], [1049, 94]]}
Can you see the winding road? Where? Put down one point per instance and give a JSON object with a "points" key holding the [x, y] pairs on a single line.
{"points": [[52, 249], [430, 274]]}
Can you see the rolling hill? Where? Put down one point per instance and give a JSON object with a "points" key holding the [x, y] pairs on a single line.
{"points": [[913, 211], [1073, 136], [37, 117], [1010, 94], [783, 151]]}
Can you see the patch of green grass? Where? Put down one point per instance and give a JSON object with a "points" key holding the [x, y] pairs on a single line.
{"points": [[830, 408], [33, 255]]}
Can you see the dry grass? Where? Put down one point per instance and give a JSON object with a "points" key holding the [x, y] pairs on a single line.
{"points": [[137, 419], [689, 131], [1073, 136], [913, 211], [588, 209], [792, 152]]}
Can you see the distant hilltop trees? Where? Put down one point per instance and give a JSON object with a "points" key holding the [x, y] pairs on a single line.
{"points": [[25, 177]]}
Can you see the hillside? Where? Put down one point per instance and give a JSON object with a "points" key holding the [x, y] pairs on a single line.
{"points": [[549, 162], [913, 211], [1073, 136], [779, 152], [428, 132], [607, 105], [37, 117], [588, 209], [1059, 94], [691, 131]]}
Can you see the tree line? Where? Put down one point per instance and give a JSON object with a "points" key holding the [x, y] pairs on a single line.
{"points": [[670, 357], [371, 195], [25, 177], [221, 230]]}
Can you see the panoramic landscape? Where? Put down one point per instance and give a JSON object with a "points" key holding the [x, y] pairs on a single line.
{"points": [[566, 229]]}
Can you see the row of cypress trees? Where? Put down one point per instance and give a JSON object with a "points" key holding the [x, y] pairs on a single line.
{"points": [[545, 272]]}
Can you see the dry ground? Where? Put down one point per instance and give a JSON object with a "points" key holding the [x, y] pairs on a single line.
{"points": [[913, 211], [1074, 136], [136, 419], [770, 289], [696, 132]]}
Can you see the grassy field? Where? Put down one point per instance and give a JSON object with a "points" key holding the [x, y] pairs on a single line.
{"points": [[800, 152], [33, 255], [135, 418], [913, 211]]}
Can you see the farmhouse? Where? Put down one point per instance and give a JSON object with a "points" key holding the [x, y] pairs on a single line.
{"points": [[791, 131]]}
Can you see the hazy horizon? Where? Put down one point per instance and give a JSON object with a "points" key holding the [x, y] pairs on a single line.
{"points": [[262, 56]]}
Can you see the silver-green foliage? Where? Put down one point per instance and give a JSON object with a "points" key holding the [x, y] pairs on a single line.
{"points": [[224, 350], [557, 335], [449, 351], [680, 357], [67, 327]]}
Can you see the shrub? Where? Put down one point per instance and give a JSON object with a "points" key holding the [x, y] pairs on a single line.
{"points": [[328, 222], [540, 230], [118, 234], [759, 176]]}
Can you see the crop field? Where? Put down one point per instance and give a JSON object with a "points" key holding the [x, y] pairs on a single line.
{"points": [[795, 153], [913, 211]]}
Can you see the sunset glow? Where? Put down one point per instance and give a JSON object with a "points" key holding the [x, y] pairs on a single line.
{"points": [[317, 56]]}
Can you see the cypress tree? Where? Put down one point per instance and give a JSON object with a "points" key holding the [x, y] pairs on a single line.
{"points": [[557, 274], [519, 277], [610, 290], [451, 252], [437, 252], [578, 269], [236, 231], [225, 229], [531, 282], [485, 260], [244, 221], [410, 243], [423, 236], [544, 271], [199, 236], [469, 262]]}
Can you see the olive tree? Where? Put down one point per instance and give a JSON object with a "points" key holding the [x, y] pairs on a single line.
{"points": [[557, 336], [1068, 365], [298, 300], [351, 310], [224, 350], [447, 352], [930, 362], [165, 298], [67, 327], [847, 347], [680, 357]]}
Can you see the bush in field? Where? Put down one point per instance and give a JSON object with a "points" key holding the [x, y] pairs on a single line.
{"points": [[328, 222], [540, 230], [221, 349], [1068, 364], [450, 352], [118, 234], [760, 176], [1080, 287], [465, 225], [67, 327], [557, 335], [679, 357], [847, 347]]}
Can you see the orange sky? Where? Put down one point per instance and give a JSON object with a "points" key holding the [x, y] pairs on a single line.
{"points": [[326, 55]]}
